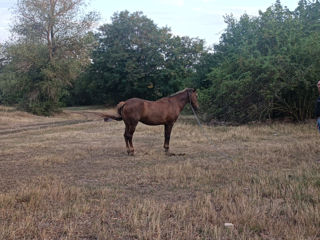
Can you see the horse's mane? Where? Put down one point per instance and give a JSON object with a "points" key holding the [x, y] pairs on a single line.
{"points": [[181, 91]]}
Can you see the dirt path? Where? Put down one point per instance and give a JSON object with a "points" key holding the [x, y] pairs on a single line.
{"points": [[42, 126], [78, 117]]}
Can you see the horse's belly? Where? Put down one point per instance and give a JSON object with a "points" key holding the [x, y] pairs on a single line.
{"points": [[157, 114], [153, 121]]}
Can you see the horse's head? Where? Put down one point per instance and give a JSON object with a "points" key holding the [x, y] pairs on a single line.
{"points": [[193, 97]]}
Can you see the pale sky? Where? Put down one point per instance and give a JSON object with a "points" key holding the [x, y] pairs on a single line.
{"points": [[193, 18]]}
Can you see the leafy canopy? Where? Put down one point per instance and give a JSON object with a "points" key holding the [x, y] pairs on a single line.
{"points": [[265, 66], [51, 47], [136, 58]]}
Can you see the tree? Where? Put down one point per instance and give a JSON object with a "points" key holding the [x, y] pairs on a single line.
{"points": [[136, 58], [52, 46], [266, 66]]}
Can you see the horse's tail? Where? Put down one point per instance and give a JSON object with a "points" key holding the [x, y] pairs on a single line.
{"points": [[120, 105], [115, 115], [109, 116]]}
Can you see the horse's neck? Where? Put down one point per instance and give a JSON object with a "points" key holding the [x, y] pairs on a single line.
{"points": [[183, 99]]}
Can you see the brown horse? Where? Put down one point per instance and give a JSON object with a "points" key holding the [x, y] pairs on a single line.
{"points": [[164, 111]]}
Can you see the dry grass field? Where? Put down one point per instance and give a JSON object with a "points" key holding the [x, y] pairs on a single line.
{"points": [[69, 177]]}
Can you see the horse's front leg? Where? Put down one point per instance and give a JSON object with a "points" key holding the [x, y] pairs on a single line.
{"points": [[167, 133]]}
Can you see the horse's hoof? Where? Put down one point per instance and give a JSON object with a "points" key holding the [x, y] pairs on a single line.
{"points": [[131, 153]]}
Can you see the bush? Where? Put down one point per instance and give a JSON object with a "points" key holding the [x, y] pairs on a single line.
{"points": [[266, 66]]}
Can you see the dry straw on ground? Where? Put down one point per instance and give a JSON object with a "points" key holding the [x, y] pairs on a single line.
{"points": [[75, 181]]}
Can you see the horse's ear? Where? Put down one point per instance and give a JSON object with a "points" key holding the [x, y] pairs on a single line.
{"points": [[194, 90]]}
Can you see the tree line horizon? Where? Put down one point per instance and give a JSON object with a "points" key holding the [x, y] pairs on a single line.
{"points": [[264, 67]]}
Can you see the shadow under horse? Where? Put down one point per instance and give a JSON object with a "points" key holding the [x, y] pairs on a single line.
{"points": [[164, 111]]}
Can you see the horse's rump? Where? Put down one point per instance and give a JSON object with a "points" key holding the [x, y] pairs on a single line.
{"points": [[119, 107]]}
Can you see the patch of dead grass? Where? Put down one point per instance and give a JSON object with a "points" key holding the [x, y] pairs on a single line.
{"points": [[76, 182]]}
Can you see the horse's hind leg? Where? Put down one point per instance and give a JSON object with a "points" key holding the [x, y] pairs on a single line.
{"points": [[126, 138], [128, 134], [167, 133]]}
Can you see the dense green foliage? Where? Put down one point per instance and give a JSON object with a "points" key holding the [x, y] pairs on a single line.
{"points": [[265, 66], [135, 58], [52, 46]]}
